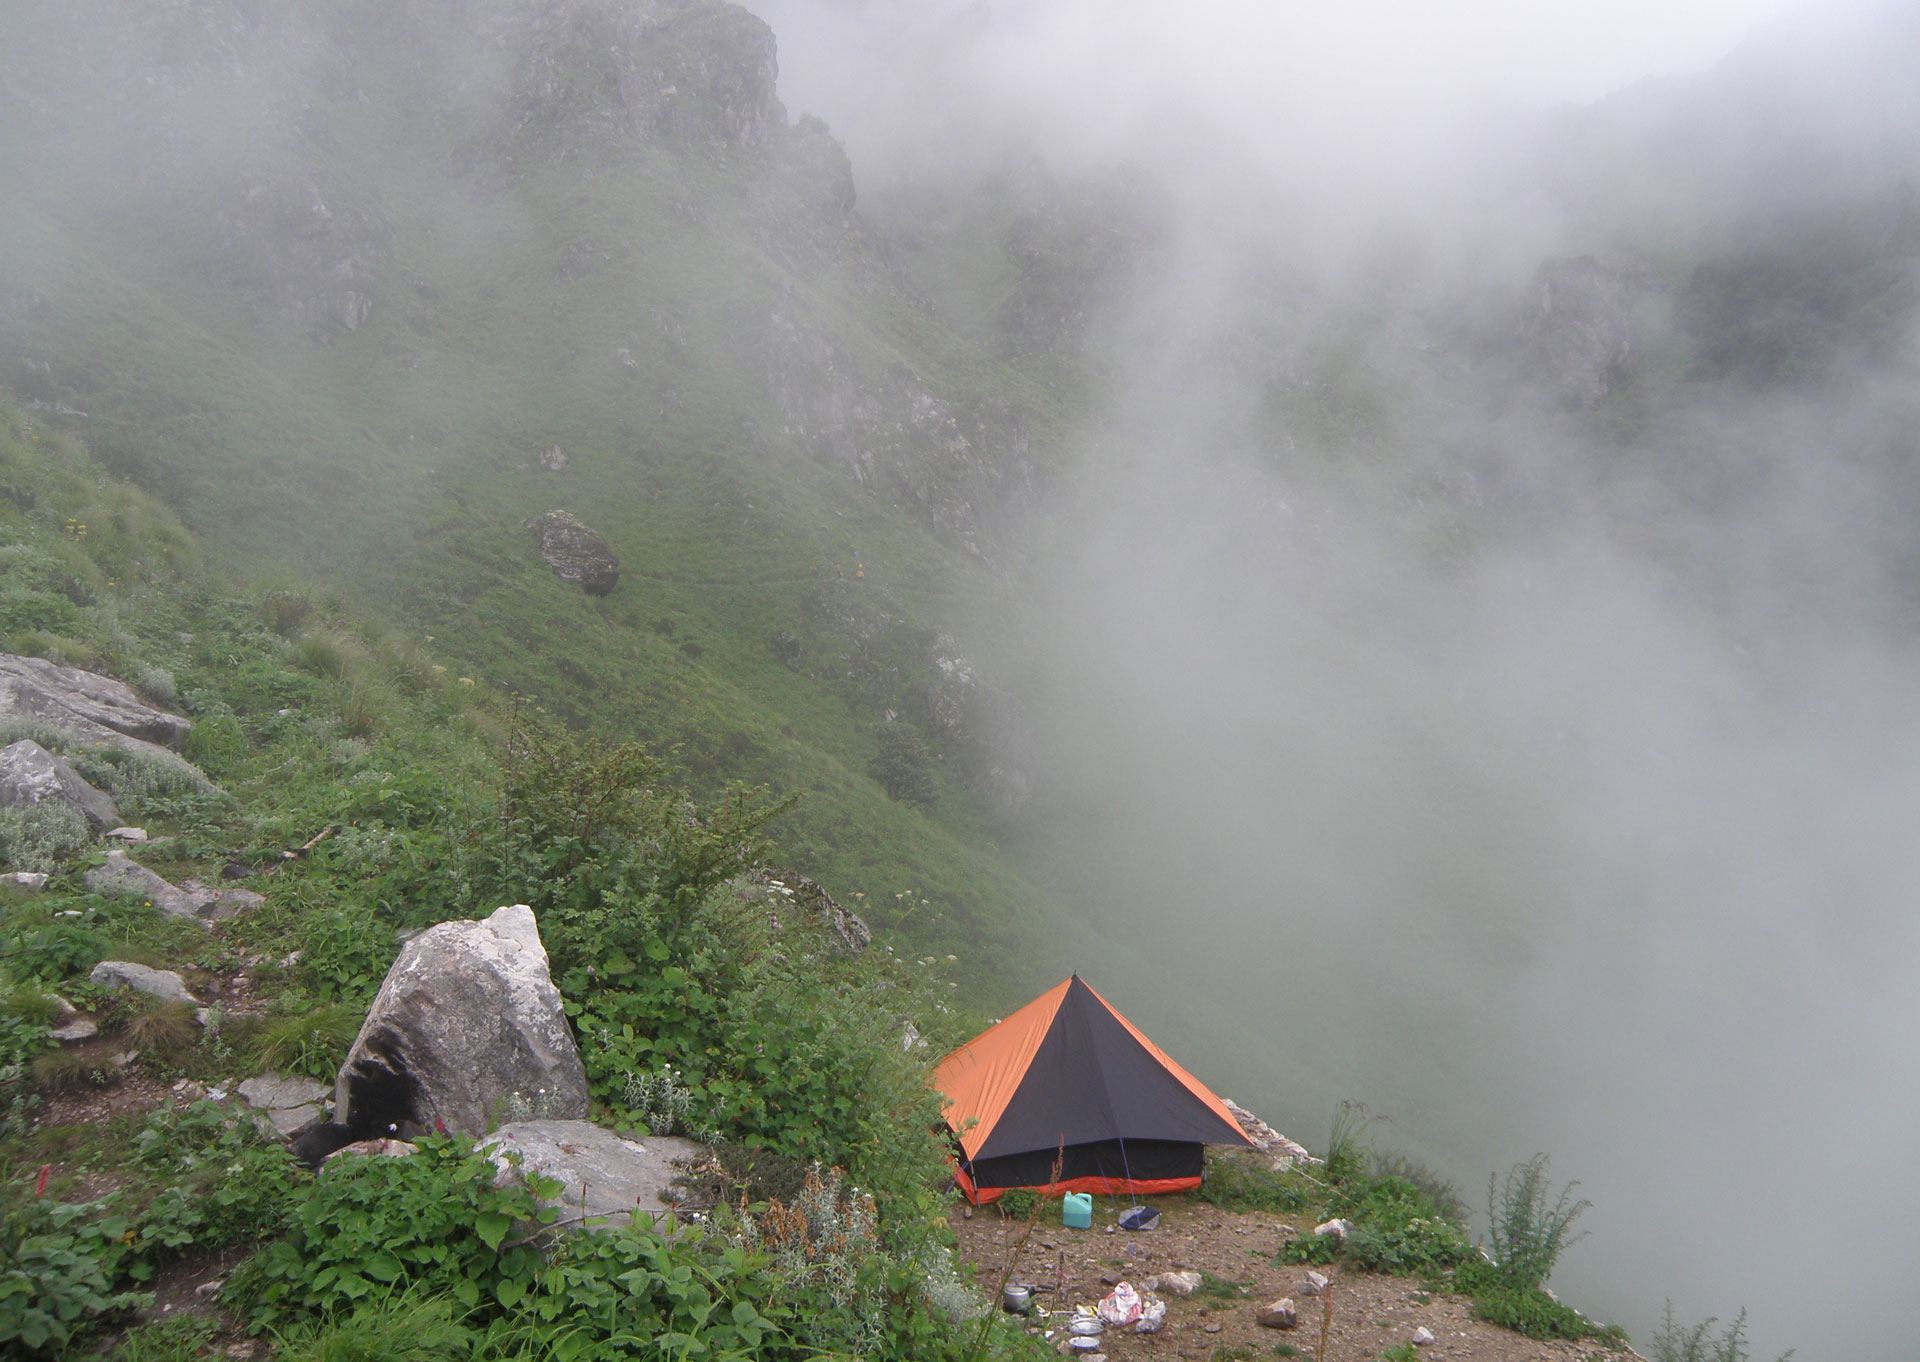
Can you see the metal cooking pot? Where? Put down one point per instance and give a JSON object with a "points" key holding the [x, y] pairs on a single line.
{"points": [[1085, 1326], [1015, 1299]]}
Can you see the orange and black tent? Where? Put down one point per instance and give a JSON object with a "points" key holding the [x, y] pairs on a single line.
{"points": [[1068, 1078]]}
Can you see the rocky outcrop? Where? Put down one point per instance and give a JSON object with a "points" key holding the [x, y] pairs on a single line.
{"points": [[1581, 330], [467, 1031], [298, 248], [603, 1176], [959, 469], [575, 553], [29, 775], [123, 877], [593, 72], [95, 708], [846, 930]]}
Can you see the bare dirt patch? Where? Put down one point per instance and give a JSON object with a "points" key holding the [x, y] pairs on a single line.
{"points": [[1362, 1314]]}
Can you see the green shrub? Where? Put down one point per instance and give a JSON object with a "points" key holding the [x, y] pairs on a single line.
{"points": [[345, 953], [435, 1220], [227, 1183], [903, 764], [41, 836], [58, 1263]]}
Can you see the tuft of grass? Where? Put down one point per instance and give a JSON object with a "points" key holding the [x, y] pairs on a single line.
{"points": [[30, 1002], [64, 1071], [328, 654], [164, 1030], [314, 1043], [365, 709], [402, 1326]]}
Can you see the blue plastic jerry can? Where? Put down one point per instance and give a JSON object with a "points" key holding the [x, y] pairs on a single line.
{"points": [[1076, 1211]]}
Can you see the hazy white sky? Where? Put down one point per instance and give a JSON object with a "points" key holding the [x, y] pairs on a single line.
{"points": [[886, 73]]}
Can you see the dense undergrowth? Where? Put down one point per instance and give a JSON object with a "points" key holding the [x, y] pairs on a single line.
{"points": [[701, 995]]}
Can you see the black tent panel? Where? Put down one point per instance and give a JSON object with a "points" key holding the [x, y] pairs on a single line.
{"points": [[1137, 1160], [1089, 1082]]}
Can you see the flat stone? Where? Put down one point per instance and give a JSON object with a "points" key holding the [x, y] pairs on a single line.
{"points": [[25, 879], [72, 1032], [161, 983], [604, 1175], [126, 834], [279, 1092], [380, 1148]]}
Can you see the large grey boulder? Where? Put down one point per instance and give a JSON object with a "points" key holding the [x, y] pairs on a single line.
{"points": [[466, 1032], [93, 707], [603, 1176], [29, 774], [575, 553]]}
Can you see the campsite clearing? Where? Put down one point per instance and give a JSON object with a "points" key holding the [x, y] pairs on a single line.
{"points": [[1365, 1314]]}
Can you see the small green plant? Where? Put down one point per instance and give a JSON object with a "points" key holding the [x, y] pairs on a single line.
{"points": [[1529, 1221], [1237, 1182], [392, 1326], [1399, 1352], [662, 1103], [41, 836], [1346, 1156], [1018, 1203], [1696, 1342]]}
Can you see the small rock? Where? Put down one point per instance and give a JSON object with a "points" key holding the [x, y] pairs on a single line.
{"points": [[1213, 1328], [553, 459], [1422, 1336], [1313, 1284], [30, 774], [1174, 1283], [161, 983], [575, 553], [1339, 1229], [127, 834], [188, 1091], [216, 1094], [209, 1289], [1278, 1314], [25, 879]]}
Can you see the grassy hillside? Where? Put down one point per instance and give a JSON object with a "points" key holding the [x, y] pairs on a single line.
{"points": [[329, 284]]}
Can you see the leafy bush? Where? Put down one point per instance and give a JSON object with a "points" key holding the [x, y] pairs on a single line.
{"points": [[1529, 1222], [345, 953], [435, 1219], [57, 1268], [1501, 1300], [227, 1183], [903, 764], [313, 1042]]}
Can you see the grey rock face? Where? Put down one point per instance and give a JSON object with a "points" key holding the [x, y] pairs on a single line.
{"points": [[467, 1030], [613, 1175], [161, 983], [30, 774], [95, 707], [575, 553], [1582, 328]]}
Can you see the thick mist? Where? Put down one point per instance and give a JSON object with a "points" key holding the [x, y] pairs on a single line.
{"points": [[1542, 779]]}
